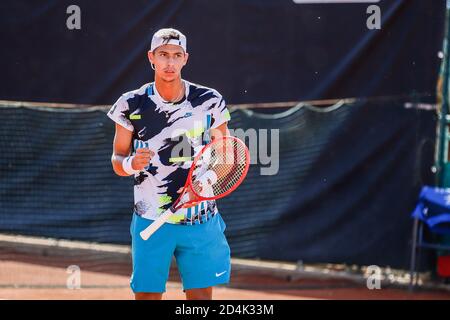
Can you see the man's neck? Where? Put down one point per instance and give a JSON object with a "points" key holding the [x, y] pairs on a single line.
{"points": [[170, 91]]}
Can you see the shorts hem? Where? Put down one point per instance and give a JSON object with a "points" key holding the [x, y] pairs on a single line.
{"points": [[147, 291], [205, 285]]}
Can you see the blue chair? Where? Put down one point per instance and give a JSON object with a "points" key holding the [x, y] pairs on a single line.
{"points": [[432, 212]]}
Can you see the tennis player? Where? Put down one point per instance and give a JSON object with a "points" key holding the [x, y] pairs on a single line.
{"points": [[159, 128]]}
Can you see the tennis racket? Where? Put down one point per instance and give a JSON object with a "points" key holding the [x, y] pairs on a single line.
{"points": [[218, 169]]}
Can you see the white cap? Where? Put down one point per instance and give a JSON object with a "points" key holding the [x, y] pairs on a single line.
{"points": [[168, 36]]}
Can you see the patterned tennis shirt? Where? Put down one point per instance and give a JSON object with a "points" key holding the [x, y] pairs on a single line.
{"points": [[175, 132]]}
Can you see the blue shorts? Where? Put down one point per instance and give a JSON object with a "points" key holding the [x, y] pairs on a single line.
{"points": [[201, 251]]}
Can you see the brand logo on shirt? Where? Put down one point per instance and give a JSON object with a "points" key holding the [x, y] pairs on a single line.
{"points": [[187, 115]]}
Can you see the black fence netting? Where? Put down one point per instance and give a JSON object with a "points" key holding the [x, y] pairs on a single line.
{"points": [[334, 184]]}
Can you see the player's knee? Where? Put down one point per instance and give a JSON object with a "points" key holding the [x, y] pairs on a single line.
{"points": [[147, 296], [199, 294]]}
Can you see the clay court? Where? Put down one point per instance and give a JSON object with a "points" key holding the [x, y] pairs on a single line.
{"points": [[39, 272]]}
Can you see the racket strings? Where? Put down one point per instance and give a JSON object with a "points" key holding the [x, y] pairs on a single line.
{"points": [[228, 159], [229, 174]]}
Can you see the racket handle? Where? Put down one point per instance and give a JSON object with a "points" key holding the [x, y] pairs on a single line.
{"points": [[155, 225]]}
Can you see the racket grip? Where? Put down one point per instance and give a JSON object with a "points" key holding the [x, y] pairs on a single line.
{"points": [[155, 225]]}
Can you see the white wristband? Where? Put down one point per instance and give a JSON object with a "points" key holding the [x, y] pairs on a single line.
{"points": [[126, 165]]}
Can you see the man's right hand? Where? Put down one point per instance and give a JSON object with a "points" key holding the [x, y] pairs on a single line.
{"points": [[191, 197], [142, 158]]}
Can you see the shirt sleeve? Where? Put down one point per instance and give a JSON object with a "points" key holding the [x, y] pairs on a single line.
{"points": [[119, 113], [220, 113]]}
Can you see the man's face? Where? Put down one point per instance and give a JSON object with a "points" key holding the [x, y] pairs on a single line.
{"points": [[168, 59]]}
